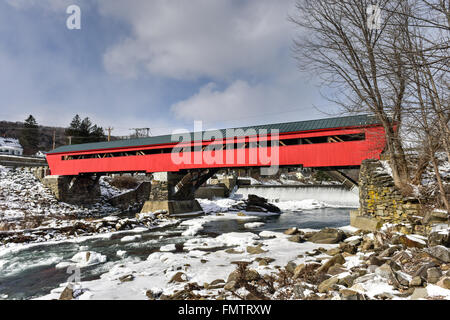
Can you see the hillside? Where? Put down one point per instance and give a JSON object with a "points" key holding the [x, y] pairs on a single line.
{"points": [[15, 129]]}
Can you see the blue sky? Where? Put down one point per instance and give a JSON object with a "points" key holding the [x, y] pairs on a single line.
{"points": [[153, 63]]}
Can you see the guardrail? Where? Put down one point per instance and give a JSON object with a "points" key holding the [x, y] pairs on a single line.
{"points": [[22, 161]]}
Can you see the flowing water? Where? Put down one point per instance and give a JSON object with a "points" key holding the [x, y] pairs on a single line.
{"points": [[31, 271], [331, 194]]}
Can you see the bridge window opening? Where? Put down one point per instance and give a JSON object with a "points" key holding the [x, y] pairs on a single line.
{"points": [[151, 151], [323, 139], [353, 137], [166, 150], [314, 140], [290, 142]]}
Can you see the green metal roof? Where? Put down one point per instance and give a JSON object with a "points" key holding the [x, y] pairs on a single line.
{"points": [[349, 121]]}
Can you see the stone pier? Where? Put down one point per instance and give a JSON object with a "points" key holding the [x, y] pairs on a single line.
{"points": [[382, 202], [174, 193], [74, 189], [132, 199]]}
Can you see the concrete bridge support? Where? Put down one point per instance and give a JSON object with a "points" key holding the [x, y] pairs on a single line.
{"points": [[174, 192], [133, 199], [218, 187], [74, 189], [348, 177]]}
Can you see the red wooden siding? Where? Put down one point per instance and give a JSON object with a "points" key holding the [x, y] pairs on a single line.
{"points": [[335, 154]]}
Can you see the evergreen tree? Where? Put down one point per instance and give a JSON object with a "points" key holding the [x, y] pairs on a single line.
{"points": [[86, 128], [74, 129], [97, 134], [76, 123], [83, 131], [29, 138]]}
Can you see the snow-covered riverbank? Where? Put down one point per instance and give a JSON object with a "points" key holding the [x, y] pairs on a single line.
{"points": [[341, 263], [25, 203], [164, 273], [227, 254], [185, 262]]}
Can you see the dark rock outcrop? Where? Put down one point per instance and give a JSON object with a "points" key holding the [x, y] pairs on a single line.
{"points": [[256, 204]]}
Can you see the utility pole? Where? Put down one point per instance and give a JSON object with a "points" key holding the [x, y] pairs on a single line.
{"points": [[70, 140], [54, 138], [109, 133]]}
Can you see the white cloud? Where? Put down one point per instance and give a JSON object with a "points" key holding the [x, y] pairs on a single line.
{"points": [[244, 103], [211, 104], [199, 38], [241, 45], [52, 5]]}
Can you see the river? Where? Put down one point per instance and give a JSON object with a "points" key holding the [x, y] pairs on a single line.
{"points": [[31, 271]]}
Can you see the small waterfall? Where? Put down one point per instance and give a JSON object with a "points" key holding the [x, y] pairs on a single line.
{"points": [[333, 195]]}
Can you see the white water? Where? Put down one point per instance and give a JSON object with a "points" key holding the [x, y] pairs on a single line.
{"points": [[331, 195]]}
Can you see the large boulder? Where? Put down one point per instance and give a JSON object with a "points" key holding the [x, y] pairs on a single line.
{"points": [[413, 241], [255, 250], [337, 259], [349, 247], [249, 275], [347, 294], [230, 286], [364, 222], [255, 204], [444, 283], [439, 238], [433, 275], [178, 277], [254, 201], [328, 284], [376, 261], [67, 293], [290, 267], [292, 231], [296, 238], [416, 281], [419, 293], [436, 216], [439, 252], [422, 271], [327, 236], [384, 271]]}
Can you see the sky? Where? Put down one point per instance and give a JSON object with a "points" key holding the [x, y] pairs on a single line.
{"points": [[161, 64]]}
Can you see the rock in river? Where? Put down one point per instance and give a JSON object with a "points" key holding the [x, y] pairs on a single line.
{"points": [[328, 235]]}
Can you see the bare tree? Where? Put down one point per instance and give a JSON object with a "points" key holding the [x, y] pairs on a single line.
{"points": [[359, 60], [426, 48]]}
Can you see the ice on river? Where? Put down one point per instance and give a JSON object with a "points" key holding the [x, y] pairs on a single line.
{"points": [[84, 259], [196, 265], [204, 258]]}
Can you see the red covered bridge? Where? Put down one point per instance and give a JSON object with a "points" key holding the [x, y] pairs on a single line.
{"points": [[333, 142]]}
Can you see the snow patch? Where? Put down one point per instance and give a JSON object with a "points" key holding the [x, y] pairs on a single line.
{"points": [[253, 225]]}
